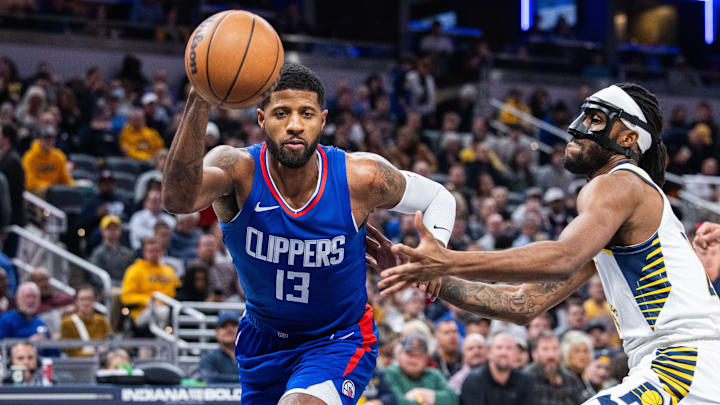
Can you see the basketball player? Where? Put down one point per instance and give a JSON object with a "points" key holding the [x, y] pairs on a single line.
{"points": [[293, 217], [666, 311]]}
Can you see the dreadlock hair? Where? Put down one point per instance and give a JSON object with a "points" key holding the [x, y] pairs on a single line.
{"points": [[297, 77], [653, 161]]}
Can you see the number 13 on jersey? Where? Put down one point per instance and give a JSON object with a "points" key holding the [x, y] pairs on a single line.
{"points": [[303, 287]]}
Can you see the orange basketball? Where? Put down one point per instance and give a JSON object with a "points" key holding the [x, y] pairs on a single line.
{"points": [[233, 57]]}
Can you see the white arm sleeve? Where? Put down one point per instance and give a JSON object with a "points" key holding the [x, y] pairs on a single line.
{"points": [[435, 202]]}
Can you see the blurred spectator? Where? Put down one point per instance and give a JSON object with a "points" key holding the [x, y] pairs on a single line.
{"points": [[412, 381], [497, 382], [694, 151], [143, 221], [222, 276], [421, 84], [552, 383], [447, 354], [596, 377], [143, 278], [698, 184], [185, 236], [378, 392], [556, 211], [24, 322], [463, 104], [478, 59], [103, 202], [44, 164], [7, 300], [520, 175], [10, 85], [163, 233], [575, 318], [436, 42], [506, 147], [408, 150], [11, 166], [554, 174], [137, 140], [618, 369], [600, 339], [577, 352], [514, 100], [704, 115], [50, 299], [219, 365], [539, 324], [111, 256], [529, 230], [597, 307], [195, 285], [156, 116], [151, 177], [25, 355], [85, 324], [481, 159], [116, 359], [32, 106], [474, 355], [479, 325]]}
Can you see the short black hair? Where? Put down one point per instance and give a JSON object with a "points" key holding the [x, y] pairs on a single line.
{"points": [[10, 132], [297, 77]]}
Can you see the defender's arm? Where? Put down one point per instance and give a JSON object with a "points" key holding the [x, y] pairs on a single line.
{"points": [[515, 303]]}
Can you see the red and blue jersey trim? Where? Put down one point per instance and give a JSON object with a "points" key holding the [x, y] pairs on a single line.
{"points": [[276, 194]]}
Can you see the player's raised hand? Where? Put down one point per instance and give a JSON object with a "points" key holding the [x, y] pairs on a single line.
{"points": [[707, 235], [427, 262]]}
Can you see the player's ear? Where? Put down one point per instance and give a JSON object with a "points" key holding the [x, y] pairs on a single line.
{"points": [[261, 117], [627, 138], [323, 118]]}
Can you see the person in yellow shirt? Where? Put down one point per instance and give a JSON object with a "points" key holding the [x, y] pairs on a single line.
{"points": [[137, 140], [143, 278], [44, 164], [515, 100], [85, 324]]}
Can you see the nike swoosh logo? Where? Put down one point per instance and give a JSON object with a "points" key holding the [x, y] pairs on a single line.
{"points": [[440, 227], [258, 208], [346, 336]]}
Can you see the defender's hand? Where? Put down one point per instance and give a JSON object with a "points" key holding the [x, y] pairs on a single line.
{"points": [[707, 235], [427, 262], [378, 250]]}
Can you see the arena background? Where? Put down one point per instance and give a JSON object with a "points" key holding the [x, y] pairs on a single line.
{"points": [[476, 95]]}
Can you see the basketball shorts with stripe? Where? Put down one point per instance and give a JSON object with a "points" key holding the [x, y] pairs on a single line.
{"points": [[684, 374], [334, 368]]}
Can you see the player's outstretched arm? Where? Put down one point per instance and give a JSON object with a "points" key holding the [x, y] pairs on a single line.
{"points": [[191, 180], [707, 235], [515, 303], [602, 210]]}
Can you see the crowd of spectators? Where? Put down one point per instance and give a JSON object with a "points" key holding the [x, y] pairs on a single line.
{"points": [[507, 194]]}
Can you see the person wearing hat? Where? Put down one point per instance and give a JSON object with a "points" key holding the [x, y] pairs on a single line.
{"points": [[111, 255], [156, 116], [555, 211], [137, 140], [44, 164], [600, 339], [413, 381], [219, 366], [104, 201]]}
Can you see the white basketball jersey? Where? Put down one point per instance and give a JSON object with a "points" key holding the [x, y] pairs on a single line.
{"points": [[658, 290]]}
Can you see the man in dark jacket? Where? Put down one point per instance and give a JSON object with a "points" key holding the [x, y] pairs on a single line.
{"points": [[552, 383], [498, 382], [219, 366], [11, 167]]}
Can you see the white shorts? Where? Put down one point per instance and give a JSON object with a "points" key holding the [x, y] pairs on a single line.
{"points": [[687, 373]]}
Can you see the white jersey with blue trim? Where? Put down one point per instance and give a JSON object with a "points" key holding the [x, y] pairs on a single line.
{"points": [[658, 291]]}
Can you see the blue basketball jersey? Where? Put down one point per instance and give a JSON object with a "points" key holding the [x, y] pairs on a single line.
{"points": [[303, 271]]}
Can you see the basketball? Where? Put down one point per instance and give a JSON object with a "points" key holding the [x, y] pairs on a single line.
{"points": [[233, 57]]}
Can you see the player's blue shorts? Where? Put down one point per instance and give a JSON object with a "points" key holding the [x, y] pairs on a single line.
{"points": [[334, 368]]}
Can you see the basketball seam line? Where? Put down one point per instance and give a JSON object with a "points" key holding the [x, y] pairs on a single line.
{"points": [[277, 56], [207, 56], [242, 62]]}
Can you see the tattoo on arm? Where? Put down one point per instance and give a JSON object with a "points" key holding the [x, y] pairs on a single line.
{"points": [[388, 184], [190, 171], [513, 303]]}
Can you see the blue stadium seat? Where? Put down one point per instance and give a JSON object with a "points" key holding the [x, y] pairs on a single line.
{"points": [[84, 162], [67, 198]]}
